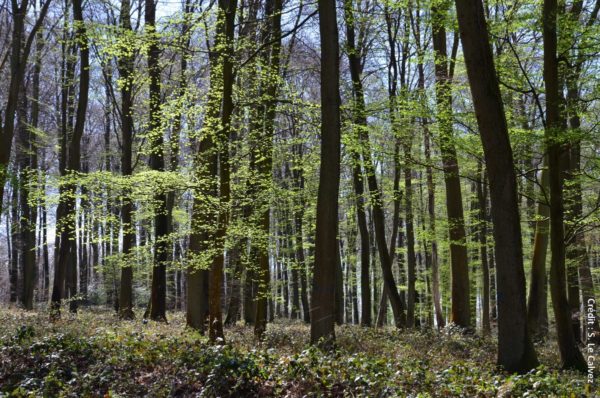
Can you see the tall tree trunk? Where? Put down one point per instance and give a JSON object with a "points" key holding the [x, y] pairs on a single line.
{"points": [[298, 177], [26, 160], [483, 255], [64, 269], [264, 163], [235, 292], [46, 243], [322, 329], [570, 355], [339, 287], [227, 11], [20, 47], [294, 267], [201, 252], [579, 253], [410, 240], [515, 350], [537, 305], [456, 228], [158, 294], [374, 190], [431, 255], [12, 236], [435, 273], [125, 66], [354, 57]]}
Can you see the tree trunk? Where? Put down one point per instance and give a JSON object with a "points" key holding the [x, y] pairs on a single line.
{"points": [[299, 238], [264, 162], [326, 248], [515, 350], [158, 294], [537, 305], [125, 66], [354, 57], [482, 240], [235, 292], [65, 272], [569, 352], [456, 228], [20, 47], [410, 241]]}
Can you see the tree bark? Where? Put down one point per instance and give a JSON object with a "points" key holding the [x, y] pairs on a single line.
{"points": [[515, 350], [359, 116], [264, 160], [65, 271], [537, 305], [125, 66], [483, 255], [456, 228], [326, 248], [158, 294], [570, 355], [20, 47]]}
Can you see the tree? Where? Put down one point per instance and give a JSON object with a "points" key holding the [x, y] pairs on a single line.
{"points": [[263, 155], [569, 352], [225, 34], [125, 66], [461, 313], [157, 306], [515, 350], [322, 329], [65, 266], [20, 47], [360, 121], [537, 304]]}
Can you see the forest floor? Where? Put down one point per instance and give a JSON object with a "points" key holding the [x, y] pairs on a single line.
{"points": [[93, 354]]}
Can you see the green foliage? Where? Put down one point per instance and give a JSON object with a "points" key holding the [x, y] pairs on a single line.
{"points": [[94, 356]]}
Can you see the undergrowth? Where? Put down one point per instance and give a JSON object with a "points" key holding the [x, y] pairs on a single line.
{"points": [[93, 354]]}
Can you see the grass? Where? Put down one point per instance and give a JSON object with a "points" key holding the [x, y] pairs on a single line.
{"points": [[93, 354]]}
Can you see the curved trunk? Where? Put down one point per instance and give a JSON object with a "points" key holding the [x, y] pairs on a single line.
{"points": [[515, 350]]}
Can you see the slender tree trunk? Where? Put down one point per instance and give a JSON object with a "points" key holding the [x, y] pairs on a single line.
{"points": [[483, 255], [570, 355], [225, 33], [456, 228], [158, 294], [298, 177], [294, 267], [235, 292], [579, 253], [65, 269], [125, 66], [410, 241], [20, 47], [354, 58], [24, 241], [264, 162], [13, 244], [537, 306]]}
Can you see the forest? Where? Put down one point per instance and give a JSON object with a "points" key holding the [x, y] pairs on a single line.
{"points": [[297, 198]]}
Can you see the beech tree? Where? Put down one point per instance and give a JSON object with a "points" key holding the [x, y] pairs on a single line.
{"points": [[268, 166], [515, 350], [326, 247]]}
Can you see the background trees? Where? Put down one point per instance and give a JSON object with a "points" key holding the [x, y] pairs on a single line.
{"points": [[290, 160]]}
